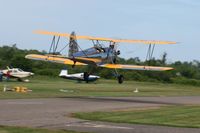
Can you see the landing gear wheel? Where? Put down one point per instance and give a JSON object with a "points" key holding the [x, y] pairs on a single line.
{"points": [[86, 76], [120, 79], [20, 80]]}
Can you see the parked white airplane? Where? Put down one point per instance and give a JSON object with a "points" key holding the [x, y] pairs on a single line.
{"points": [[16, 73], [78, 76]]}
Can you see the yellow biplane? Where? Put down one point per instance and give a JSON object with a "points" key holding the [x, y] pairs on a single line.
{"points": [[98, 55]]}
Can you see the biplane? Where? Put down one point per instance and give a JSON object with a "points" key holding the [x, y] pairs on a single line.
{"points": [[103, 53]]}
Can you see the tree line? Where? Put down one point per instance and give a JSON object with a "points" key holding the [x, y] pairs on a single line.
{"points": [[187, 72]]}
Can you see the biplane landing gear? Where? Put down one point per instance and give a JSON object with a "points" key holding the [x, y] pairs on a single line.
{"points": [[74, 64], [19, 80], [120, 79], [86, 77]]}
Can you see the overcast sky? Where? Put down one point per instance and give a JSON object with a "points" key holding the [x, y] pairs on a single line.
{"points": [[172, 20]]}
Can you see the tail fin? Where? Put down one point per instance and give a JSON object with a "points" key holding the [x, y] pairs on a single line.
{"points": [[8, 67], [63, 72], [73, 45]]}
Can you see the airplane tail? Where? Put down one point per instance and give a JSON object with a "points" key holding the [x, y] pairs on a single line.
{"points": [[73, 45], [63, 72], [8, 67]]}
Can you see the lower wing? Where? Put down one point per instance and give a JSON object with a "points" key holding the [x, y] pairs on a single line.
{"points": [[136, 67], [91, 61], [53, 58]]}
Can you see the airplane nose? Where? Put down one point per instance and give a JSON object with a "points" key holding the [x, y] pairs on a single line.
{"points": [[31, 74]]}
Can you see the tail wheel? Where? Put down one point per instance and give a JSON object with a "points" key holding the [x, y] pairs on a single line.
{"points": [[120, 79], [86, 76]]}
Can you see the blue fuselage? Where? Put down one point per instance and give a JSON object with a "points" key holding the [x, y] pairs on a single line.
{"points": [[106, 54]]}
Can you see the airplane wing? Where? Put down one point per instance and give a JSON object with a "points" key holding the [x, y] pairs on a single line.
{"points": [[136, 67], [64, 60], [91, 61], [53, 58], [105, 39]]}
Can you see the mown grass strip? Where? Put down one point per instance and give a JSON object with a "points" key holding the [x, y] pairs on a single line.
{"points": [[180, 116], [13, 129]]}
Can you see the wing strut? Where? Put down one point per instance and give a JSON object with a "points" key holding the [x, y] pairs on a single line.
{"points": [[150, 52], [54, 45]]}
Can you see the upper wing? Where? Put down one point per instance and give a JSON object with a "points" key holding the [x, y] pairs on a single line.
{"points": [[52, 58], [106, 39], [136, 67]]}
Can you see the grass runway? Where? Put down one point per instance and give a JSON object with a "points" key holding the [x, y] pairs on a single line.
{"points": [[45, 87]]}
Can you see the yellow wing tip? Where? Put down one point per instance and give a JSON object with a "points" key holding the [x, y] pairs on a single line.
{"points": [[29, 55], [168, 68], [40, 32]]}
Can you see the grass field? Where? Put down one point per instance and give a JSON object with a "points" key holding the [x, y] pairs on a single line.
{"points": [[8, 129], [44, 87], [180, 116]]}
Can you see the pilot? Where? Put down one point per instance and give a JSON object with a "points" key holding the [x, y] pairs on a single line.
{"points": [[100, 49], [112, 46]]}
